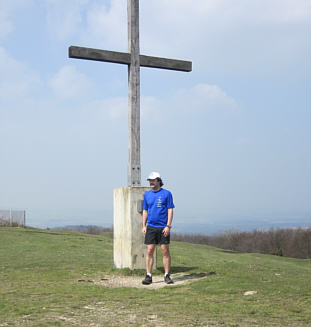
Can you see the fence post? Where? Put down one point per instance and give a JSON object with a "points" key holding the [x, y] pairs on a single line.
{"points": [[11, 221]]}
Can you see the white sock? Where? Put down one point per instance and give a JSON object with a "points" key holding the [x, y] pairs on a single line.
{"points": [[166, 274], [148, 274]]}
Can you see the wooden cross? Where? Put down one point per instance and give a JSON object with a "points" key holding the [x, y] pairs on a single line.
{"points": [[134, 60]]}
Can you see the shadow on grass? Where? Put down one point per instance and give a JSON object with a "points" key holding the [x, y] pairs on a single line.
{"points": [[193, 276], [142, 272], [177, 269]]}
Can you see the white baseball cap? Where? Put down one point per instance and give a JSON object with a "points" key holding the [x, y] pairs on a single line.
{"points": [[153, 175]]}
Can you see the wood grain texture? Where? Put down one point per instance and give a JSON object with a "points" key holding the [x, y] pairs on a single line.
{"points": [[99, 55], [134, 169], [125, 58]]}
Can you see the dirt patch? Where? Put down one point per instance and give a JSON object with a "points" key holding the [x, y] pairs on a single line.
{"points": [[115, 281]]}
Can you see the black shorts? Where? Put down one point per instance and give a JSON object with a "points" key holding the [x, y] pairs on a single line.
{"points": [[155, 236]]}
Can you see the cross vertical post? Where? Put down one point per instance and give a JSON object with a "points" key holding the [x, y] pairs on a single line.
{"points": [[134, 168]]}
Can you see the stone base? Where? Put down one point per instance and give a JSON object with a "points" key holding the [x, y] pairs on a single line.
{"points": [[129, 250]]}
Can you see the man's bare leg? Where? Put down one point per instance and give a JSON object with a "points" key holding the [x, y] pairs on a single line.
{"points": [[166, 258], [150, 257]]}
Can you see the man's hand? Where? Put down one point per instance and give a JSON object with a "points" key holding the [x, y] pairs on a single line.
{"points": [[144, 222], [166, 231]]}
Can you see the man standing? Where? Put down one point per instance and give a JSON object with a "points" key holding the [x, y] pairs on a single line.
{"points": [[157, 222]]}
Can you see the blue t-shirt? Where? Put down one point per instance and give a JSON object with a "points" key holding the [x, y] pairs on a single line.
{"points": [[157, 204]]}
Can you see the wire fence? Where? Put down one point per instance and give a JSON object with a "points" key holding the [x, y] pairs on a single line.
{"points": [[12, 217]]}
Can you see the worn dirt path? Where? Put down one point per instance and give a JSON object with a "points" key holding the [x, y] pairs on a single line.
{"points": [[115, 281]]}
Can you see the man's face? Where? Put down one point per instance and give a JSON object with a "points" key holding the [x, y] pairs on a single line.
{"points": [[154, 184]]}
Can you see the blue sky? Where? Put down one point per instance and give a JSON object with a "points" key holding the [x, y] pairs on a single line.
{"points": [[231, 139]]}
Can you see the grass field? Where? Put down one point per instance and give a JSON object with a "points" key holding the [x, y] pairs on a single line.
{"points": [[40, 269]]}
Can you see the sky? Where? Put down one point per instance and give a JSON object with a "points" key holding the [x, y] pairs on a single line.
{"points": [[231, 139]]}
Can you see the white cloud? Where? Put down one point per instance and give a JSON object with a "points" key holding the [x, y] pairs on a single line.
{"points": [[100, 24], [288, 11], [204, 97], [64, 17], [109, 108], [107, 26], [150, 107], [16, 79], [69, 83], [5, 25], [224, 13], [200, 99], [7, 8], [261, 36]]}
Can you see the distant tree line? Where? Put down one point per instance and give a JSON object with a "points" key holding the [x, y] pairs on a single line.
{"points": [[6, 223], [291, 242]]}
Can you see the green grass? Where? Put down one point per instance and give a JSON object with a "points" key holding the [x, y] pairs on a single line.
{"points": [[39, 272]]}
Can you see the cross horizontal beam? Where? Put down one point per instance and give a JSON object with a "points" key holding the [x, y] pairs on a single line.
{"points": [[125, 58]]}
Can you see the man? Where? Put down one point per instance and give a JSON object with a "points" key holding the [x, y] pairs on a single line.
{"points": [[157, 222]]}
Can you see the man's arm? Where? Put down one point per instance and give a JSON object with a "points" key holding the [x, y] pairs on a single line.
{"points": [[145, 216], [169, 216], [167, 229]]}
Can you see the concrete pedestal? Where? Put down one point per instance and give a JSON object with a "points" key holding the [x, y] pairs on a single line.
{"points": [[129, 250]]}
